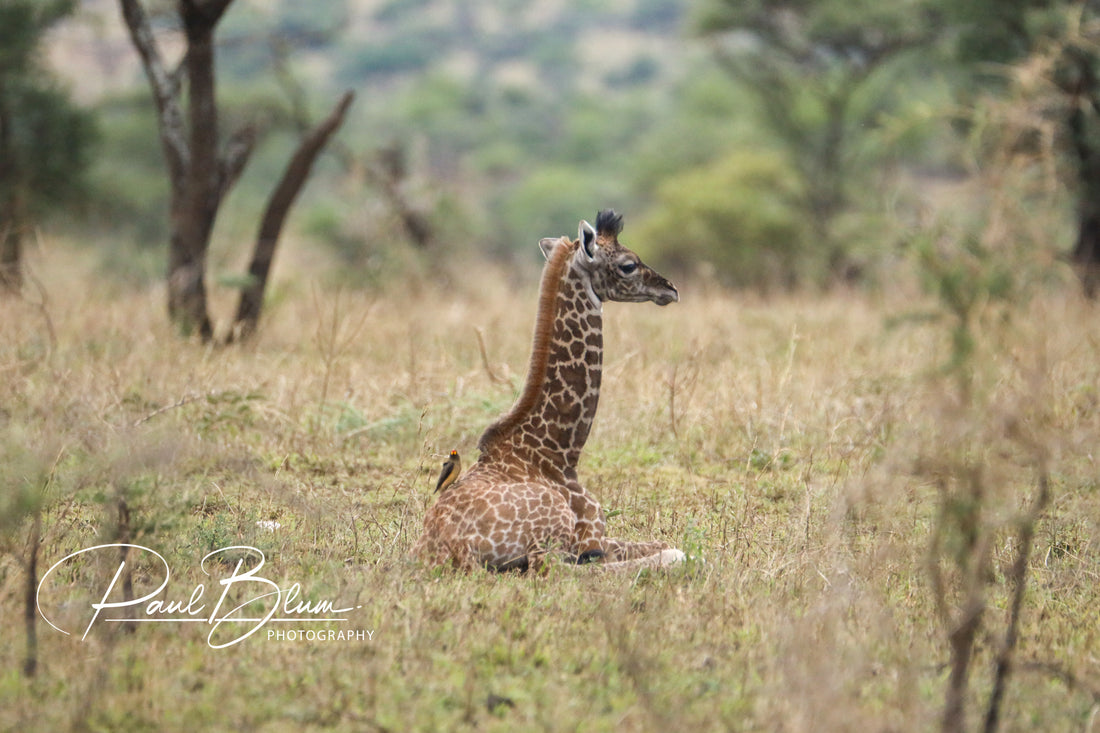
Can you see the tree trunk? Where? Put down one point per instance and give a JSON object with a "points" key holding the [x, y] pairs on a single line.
{"points": [[1085, 141], [11, 251], [1086, 253], [30, 597], [11, 227], [199, 177], [191, 228], [278, 205]]}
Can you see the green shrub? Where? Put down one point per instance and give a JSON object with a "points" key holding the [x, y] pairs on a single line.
{"points": [[736, 215], [549, 203]]}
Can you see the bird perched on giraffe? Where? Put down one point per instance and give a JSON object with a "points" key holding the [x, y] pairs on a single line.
{"points": [[522, 504], [451, 470]]}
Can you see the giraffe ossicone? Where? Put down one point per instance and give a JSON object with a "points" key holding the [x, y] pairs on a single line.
{"points": [[522, 504]]}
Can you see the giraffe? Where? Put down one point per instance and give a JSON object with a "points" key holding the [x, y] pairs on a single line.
{"points": [[522, 502]]}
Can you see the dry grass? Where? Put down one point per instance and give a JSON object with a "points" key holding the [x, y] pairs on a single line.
{"points": [[791, 444]]}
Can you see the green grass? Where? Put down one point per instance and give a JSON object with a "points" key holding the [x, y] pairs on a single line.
{"points": [[791, 445]]}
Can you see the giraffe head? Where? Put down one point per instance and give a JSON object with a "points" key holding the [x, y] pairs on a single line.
{"points": [[613, 271]]}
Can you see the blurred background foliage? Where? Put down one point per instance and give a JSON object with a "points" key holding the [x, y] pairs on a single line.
{"points": [[763, 144]]}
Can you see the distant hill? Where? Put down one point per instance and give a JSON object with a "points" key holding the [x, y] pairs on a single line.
{"points": [[378, 45], [513, 118]]}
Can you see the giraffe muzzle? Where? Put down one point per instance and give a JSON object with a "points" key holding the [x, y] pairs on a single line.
{"points": [[668, 294]]}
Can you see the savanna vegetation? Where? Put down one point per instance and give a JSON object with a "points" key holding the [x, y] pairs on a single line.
{"points": [[800, 448], [871, 420]]}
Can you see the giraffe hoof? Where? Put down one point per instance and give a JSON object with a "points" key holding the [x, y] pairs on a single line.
{"points": [[671, 556], [590, 556]]}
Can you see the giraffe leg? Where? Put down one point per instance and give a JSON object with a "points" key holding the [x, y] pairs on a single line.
{"points": [[620, 550], [588, 532], [459, 555], [665, 558], [523, 563], [662, 559]]}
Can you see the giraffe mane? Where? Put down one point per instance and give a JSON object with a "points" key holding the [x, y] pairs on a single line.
{"points": [[549, 287]]}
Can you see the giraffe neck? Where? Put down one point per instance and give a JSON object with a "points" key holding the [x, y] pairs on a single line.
{"points": [[547, 427]]}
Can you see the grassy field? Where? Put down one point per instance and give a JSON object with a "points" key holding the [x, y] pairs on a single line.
{"points": [[799, 448]]}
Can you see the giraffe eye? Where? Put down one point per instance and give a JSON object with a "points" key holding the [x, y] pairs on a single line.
{"points": [[628, 268]]}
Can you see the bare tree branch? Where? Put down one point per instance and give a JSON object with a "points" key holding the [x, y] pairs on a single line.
{"points": [[165, 85], [278, 205], [30, 596], [1018, 578]]}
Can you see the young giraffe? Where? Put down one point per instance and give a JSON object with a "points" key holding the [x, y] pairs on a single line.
{"points": [[522, 499]]}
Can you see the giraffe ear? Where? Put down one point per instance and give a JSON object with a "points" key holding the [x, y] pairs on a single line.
{"points": [[587, 235], [547, 244]]}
